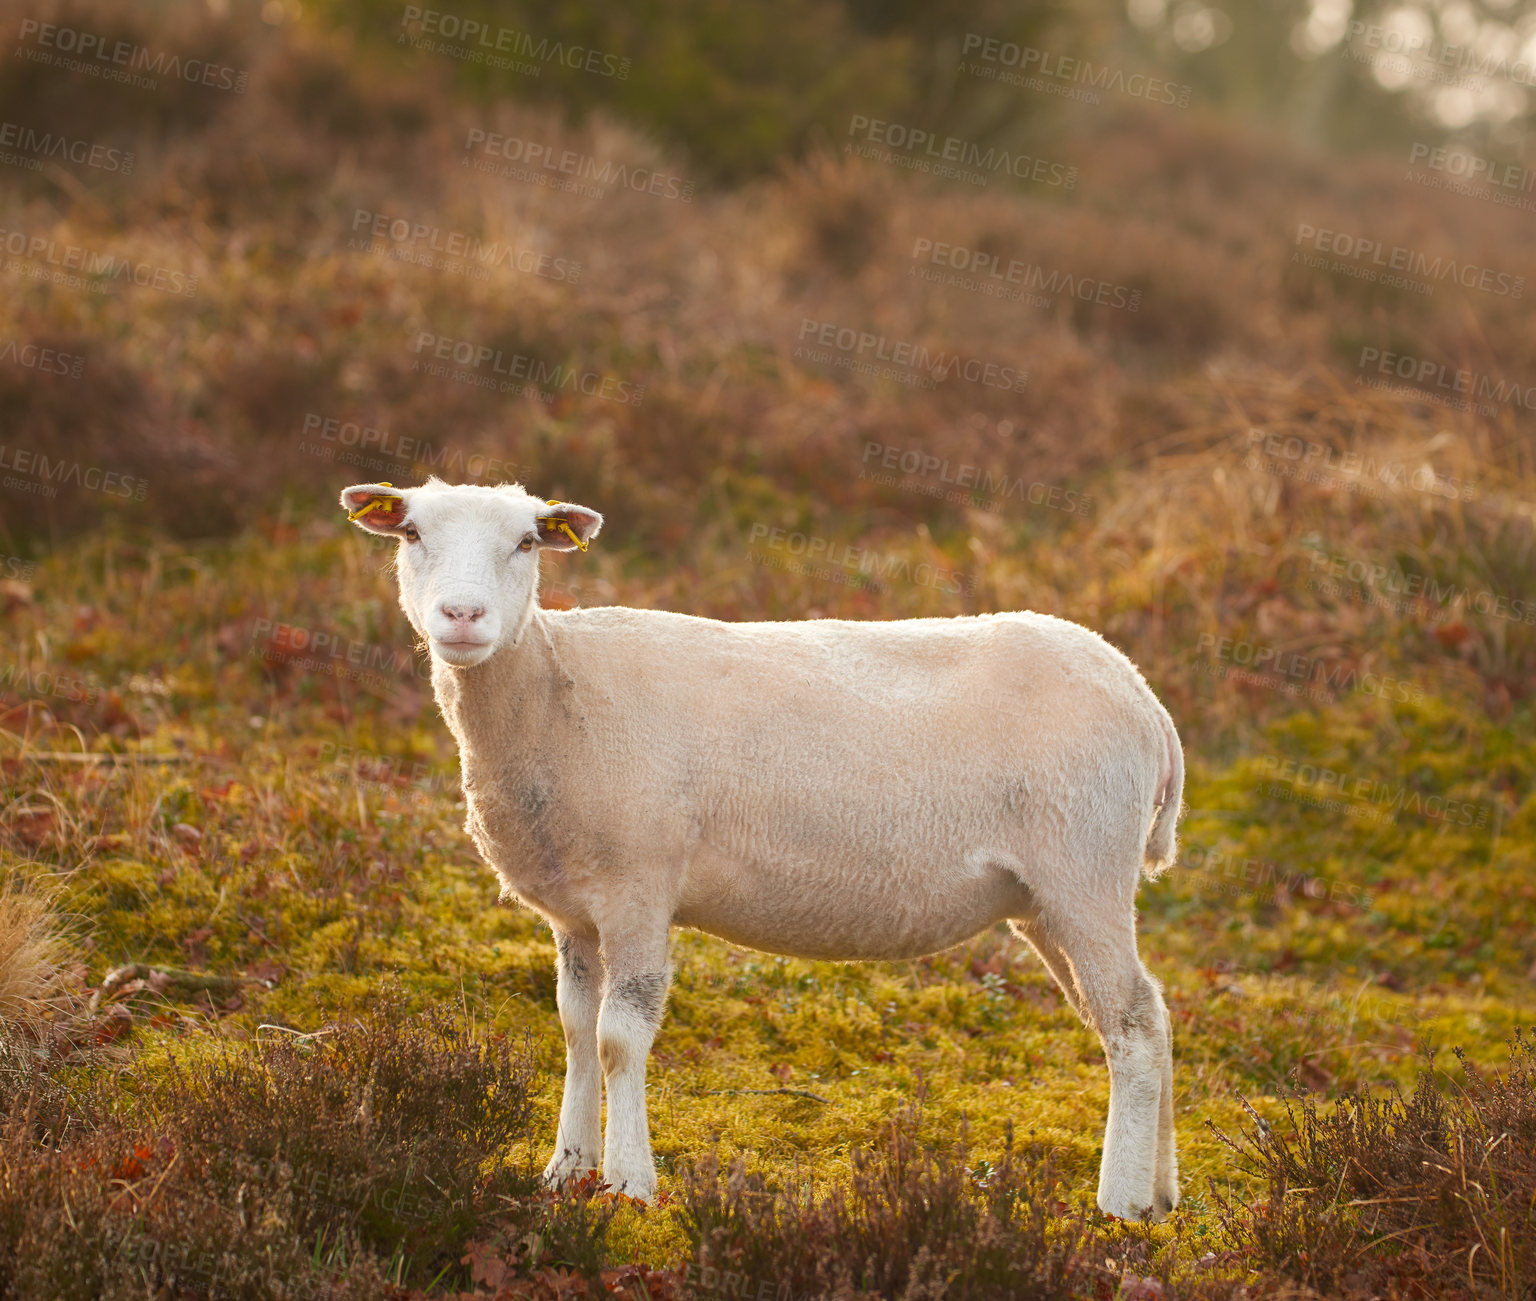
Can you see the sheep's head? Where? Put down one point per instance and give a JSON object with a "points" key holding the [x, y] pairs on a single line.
{"points": [[468, 560]]}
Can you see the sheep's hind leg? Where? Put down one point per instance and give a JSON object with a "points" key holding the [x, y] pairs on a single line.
{"points": [[1124, 1005], [1033, 930], [1165, 1185], [636, 978], [578, 996]]}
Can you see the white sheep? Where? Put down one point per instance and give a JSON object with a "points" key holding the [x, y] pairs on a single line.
{"points": [[826, 789]]}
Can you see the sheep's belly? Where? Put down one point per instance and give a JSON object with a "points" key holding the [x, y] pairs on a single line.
{"points": [[890, 912]]}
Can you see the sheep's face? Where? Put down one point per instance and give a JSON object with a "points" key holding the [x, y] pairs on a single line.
{"points": [[468, 560]]}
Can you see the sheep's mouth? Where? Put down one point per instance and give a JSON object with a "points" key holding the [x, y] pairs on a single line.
{"points": [[463, 653]]}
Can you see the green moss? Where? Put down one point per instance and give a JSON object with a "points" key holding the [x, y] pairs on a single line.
{"points": [[332, 856]]}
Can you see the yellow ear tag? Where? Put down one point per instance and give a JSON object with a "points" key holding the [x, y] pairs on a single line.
{"points": [[375, 504], [562, 526]]}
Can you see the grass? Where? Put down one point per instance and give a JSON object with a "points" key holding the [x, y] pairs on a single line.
{"points": [[294, 824]]}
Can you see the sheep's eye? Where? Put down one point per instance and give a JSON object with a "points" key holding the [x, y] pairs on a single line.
{"points": [[526, 544], [411, 534]]}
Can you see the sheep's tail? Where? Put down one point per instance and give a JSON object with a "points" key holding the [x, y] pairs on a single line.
{"points": [[1162, 847]]}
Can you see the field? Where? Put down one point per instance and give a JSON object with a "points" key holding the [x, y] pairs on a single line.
{"points": [[225, 785]]}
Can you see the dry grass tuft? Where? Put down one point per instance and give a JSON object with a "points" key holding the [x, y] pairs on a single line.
{"points": [[33, 954]]}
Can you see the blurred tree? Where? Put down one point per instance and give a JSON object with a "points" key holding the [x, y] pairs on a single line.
{"points": [[1351, 75], [743, 84]]}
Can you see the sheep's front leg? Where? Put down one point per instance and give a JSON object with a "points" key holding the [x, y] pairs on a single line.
{"points": [[578, 995], [636, 977]]}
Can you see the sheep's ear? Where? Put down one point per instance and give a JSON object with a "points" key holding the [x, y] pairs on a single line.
{"points": [[377, 507], [566, 526]]}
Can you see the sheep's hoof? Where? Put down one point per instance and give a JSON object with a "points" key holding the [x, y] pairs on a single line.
{"points": [[1123, 1209], [641, 1188]]}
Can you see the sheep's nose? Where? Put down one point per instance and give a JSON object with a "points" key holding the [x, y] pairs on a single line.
{"points": [[463, 613]]}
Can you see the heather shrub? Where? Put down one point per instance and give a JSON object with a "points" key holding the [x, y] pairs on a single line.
{"points": [[1428, 1195], [910, 1222], [328, 1164]]}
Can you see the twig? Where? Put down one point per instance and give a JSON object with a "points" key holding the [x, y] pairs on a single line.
{"points": [[297, 1034], [151, 1195], [162, 980], [1389, 1236], [793, 1093], [101, 756]]}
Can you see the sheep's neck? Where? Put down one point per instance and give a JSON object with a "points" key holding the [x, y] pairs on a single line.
{"points": [[498, 709]]}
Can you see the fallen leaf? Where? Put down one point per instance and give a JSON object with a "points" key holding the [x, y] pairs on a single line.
{"points": [[132, 1167], [112, 1024]]}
